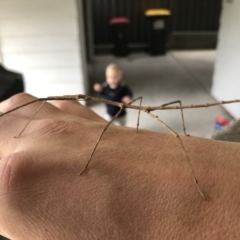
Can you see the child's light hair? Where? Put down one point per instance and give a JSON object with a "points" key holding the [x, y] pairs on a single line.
{"points": [[115, 68]]}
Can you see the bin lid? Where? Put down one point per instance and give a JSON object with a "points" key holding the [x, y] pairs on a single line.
{"points": [[157, 12], [119, 20]]}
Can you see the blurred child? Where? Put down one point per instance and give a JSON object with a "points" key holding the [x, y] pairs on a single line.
{"points": [[113, 89]]}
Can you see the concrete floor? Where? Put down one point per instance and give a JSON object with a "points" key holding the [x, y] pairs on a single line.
{"points": [[180, 75]]}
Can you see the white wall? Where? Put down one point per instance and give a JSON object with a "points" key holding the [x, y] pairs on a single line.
{"points": [[41, 39], [226, 81]]}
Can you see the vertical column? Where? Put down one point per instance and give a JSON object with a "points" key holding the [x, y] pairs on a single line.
{"points": [[226, 80]]}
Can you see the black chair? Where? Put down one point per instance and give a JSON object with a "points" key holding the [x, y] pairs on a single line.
{"points": [[10, 83]]}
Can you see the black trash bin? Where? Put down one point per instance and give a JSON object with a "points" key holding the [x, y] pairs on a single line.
{"points": [[158, 29], [119, 32]]}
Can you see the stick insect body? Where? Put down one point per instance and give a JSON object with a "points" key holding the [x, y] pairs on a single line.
{"points": [[146, 109]]}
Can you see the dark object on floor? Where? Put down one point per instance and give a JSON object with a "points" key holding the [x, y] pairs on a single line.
{"points": [[221, 122], [230, 133], [10, 83], [3, 238]]}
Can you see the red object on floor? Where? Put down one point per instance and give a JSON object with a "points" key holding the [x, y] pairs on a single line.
{"points": [[221, 120], [119, 20]]}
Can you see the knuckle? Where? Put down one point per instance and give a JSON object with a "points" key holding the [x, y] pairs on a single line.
{"points": [[65, 105], [60, 104], [12, 170], [17, 100], [56, 127]]}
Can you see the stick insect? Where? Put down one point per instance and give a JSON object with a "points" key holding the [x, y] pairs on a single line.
{"points": [[147, 109]]}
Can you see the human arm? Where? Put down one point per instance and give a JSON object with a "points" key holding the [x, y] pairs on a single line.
{"points": [[138, 185], [127, 95], [98, 87], [126, 99]]}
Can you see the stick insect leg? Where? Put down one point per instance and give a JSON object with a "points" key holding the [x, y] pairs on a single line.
{"points": [[134, 100], [100, 137], [30, 120], [184, 152], [183, 122]]}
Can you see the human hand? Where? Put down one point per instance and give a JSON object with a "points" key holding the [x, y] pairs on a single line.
{"points": [[138, 185], [97, 87], [126, 99]]}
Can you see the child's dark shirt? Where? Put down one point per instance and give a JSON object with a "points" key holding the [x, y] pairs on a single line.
{"points": [[115, 95]]}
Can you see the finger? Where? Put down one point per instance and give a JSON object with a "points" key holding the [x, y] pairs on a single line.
{"points": [[56, 110], [75, 108], [46, 110]]}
